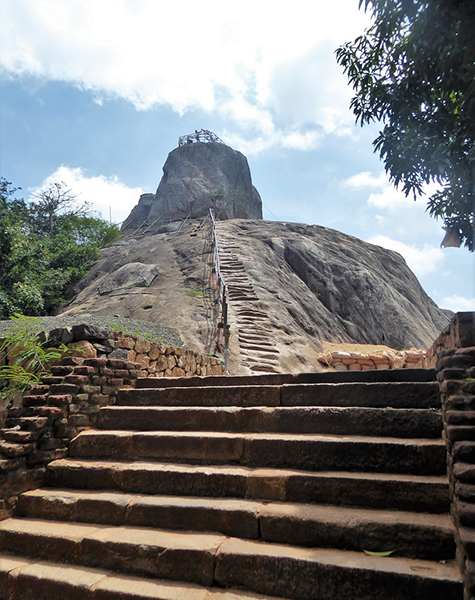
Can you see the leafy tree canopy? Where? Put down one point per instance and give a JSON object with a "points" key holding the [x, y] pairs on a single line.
{"points": [[413, 69], [46, 245]]}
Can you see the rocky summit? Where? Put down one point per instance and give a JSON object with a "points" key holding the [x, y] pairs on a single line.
{"points": [[290, 286], [196, 177]]}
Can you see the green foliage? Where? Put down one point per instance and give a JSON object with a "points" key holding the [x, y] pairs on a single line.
{"points": [[120, 326], [380, 554], [46, 245], [27, 358], [195, 293], [414, 70]]}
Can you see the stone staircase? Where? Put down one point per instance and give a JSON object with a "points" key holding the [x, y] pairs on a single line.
{"points": [[243, 488], [256, 344]]}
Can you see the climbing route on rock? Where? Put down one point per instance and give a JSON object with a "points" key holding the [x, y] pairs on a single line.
{"points": [[252, 325]]}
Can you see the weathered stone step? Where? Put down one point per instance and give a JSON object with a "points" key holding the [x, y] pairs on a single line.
{"points": [[194, 396], [255, 339], [416, 535], [304, 573], [372, 490], [167, 554], [407, 423], [258, 347], [320, 574], [26, 579], [396, 395], [373, 376], [281, 450], [265, 368]]}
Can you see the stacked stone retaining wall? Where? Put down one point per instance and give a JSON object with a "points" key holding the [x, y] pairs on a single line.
{"points": [[39, 426], [453, 355]]}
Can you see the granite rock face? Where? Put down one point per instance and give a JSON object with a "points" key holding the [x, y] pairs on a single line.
{"points": [[197, 177], [313, 284]]}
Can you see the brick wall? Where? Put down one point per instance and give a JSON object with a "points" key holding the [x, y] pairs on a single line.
{"points": [[39, 428], [453, 355]]}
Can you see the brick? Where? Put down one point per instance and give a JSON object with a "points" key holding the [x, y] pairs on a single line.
{"points": [[79, 420], [99, 380], [72, 361], [121, 372], [451, 374], [81, 398], [91, 389], [100, 399], [83, 370], [130, 365], [106, 372], [60, 400], [49, 411], [34, 400], [96, 362], [110, 390], [116, 363], [64, 388], [117, 382], [61, 370], [76, 379]]}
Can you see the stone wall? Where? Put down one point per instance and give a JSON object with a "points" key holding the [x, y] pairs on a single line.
{"points": [[453, 355], [39, 427], [157, 360], [357, 361]]}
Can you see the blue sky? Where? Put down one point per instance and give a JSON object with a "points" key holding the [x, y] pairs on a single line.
{"points": [[95, 93]]}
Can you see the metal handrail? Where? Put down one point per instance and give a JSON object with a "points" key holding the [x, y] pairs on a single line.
{"points": [[203, 135], [222, 301]]}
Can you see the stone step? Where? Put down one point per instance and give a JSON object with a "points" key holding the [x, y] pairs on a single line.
{"points": [[258, 347], [406, 423], [26, 579], [254, 337], [182, 556], [372, 490], [204, 559], [315, 452], [265, 368], [395, 394], [373, 376], [251, 395], [321, 574], [416, 535]]}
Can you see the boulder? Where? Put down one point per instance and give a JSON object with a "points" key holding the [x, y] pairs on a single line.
{"points": [[133, 274], [90, 332]]}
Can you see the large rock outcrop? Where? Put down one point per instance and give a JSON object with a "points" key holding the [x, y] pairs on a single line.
{"points": [[197, 177], [311, 283]]}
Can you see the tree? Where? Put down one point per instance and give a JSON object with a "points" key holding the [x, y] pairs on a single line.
{"points": [[46, 245], [52, 202], [413, 70]]}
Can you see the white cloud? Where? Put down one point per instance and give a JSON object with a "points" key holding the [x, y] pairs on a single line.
{"points": [[458, 303], [270, 67], [102, 192], [367, 180], [422, 260]]}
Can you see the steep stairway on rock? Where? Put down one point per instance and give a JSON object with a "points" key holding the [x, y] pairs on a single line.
{"points": [[245, 488], [256, 343]]}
